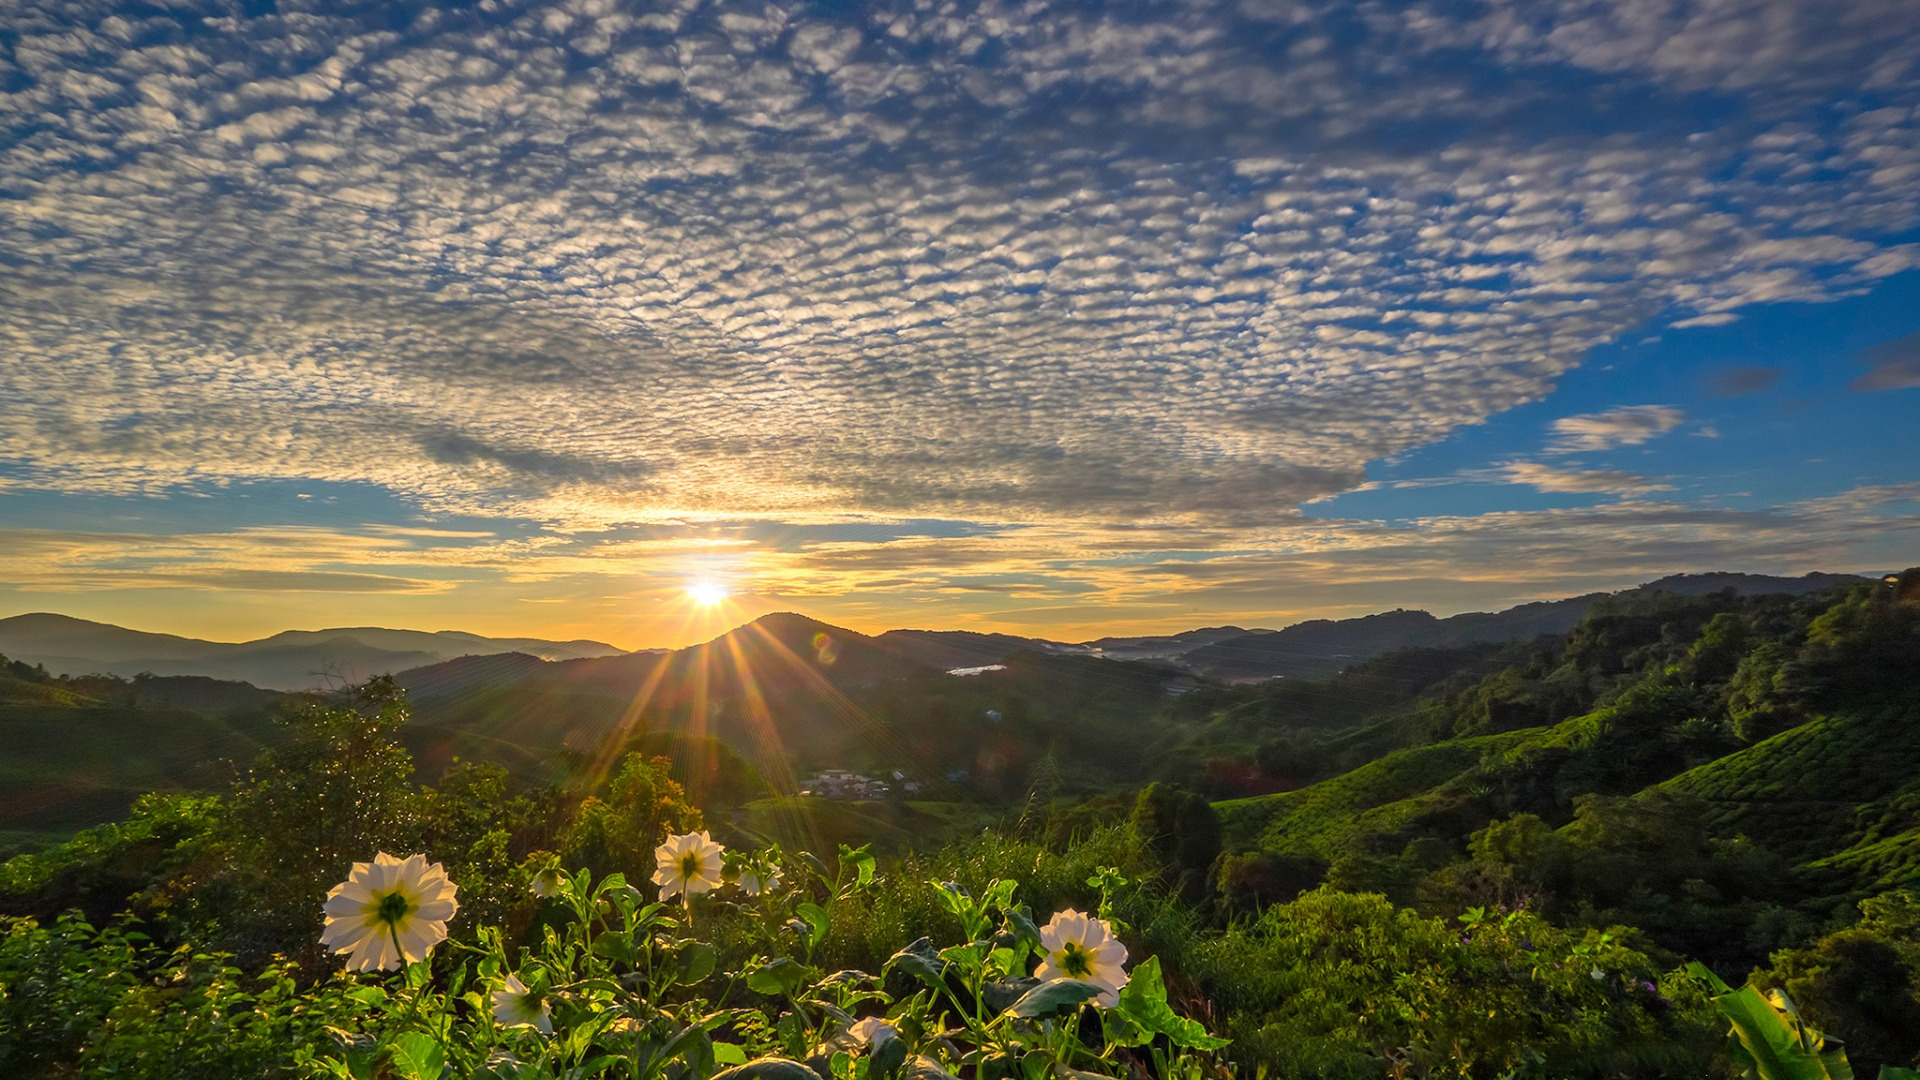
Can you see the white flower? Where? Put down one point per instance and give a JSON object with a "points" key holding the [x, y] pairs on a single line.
{"points": [[753, 882], [1083, 949], [688, 864], [546, 882], [389, 912], [515, 1006], [872, 1031]]}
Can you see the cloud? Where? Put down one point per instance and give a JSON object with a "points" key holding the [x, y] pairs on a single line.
{"points": [[1191, 263], [1896, 366], [1581, 481], [1742, 379], [1629, 425]]}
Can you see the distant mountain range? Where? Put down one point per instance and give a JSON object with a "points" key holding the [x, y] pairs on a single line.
{"points": [[291, 660], [1324, 646], [792, 649]]}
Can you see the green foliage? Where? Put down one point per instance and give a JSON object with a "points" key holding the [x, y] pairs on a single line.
{"points": [[1182, 831], [617, 834], [1337, 985], [1863, 980], [1769, 1040]]}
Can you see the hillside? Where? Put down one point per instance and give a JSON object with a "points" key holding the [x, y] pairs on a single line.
{"points": [[79, 751], [290, 660], [1324, 646], [1757, 754]]}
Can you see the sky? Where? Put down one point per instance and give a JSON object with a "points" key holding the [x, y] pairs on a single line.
{"points": [[1062, 319]]}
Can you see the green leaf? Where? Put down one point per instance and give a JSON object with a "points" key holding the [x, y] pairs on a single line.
{"points": [[768, 1068], [818, 923], [862, 860], [726, 1053], [1053, 998], [780, 976], [618, 948], [1001, 995], [1120, 1029], [925, 1068], [1144, 1001], [695, 961], [888, 1055], [920, 961], [1769, 1040], [416, 1056], [1022, 926]]}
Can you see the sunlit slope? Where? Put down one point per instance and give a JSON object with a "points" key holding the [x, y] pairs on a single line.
{"points": [[1378, 800], [1791, 721], [1829, 784]]}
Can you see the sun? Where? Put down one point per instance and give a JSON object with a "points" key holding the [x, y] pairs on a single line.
{"points": [[707, 593]]}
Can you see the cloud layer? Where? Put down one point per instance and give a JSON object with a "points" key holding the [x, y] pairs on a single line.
{"points": [[1176, 262]]}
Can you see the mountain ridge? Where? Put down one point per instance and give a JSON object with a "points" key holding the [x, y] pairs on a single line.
{"points": [[303, 659], [288, 660]]}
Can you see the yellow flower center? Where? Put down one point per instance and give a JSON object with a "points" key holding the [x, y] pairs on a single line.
{"points": [[1075, 961], [391, 909], [690, 865]]}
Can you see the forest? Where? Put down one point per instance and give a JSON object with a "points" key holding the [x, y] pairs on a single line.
{"points": [[1555, 857]]}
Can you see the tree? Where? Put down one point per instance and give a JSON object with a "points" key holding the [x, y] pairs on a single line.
{"points": [[1181, 830]]}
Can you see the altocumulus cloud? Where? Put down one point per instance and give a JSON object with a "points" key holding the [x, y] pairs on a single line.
{"points": [[1183, 261]]}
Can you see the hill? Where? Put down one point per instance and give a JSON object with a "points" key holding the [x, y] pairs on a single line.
{"points": [[79, 751], [1726, 772], [291, 660], [1323, 646]]}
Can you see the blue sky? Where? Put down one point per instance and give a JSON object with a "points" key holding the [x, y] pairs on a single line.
{"points": [[1058, 318]]}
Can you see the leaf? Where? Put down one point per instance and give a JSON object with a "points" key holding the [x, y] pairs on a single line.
{"points": [[695, 961], [768, 1068], [1022, 926], [1052, 998], [920, 961], [618, 948], [726, 1053], [813, 863], [1144, 1001], [888, 1055], [818, 923], [954, 897], [1769, 1040], [862, 860], [780, 976], [924, 1068], [1120, 1029], [1001, 995], [416, 1056]]}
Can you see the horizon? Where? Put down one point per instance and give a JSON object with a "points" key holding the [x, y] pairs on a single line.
{"points": [[1052, 320], [730, 622]]}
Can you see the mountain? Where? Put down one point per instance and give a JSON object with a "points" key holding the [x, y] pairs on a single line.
{"points": [[291, 660], [1324, 646], [1169, 646], [946, 649], [775, 689]]}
